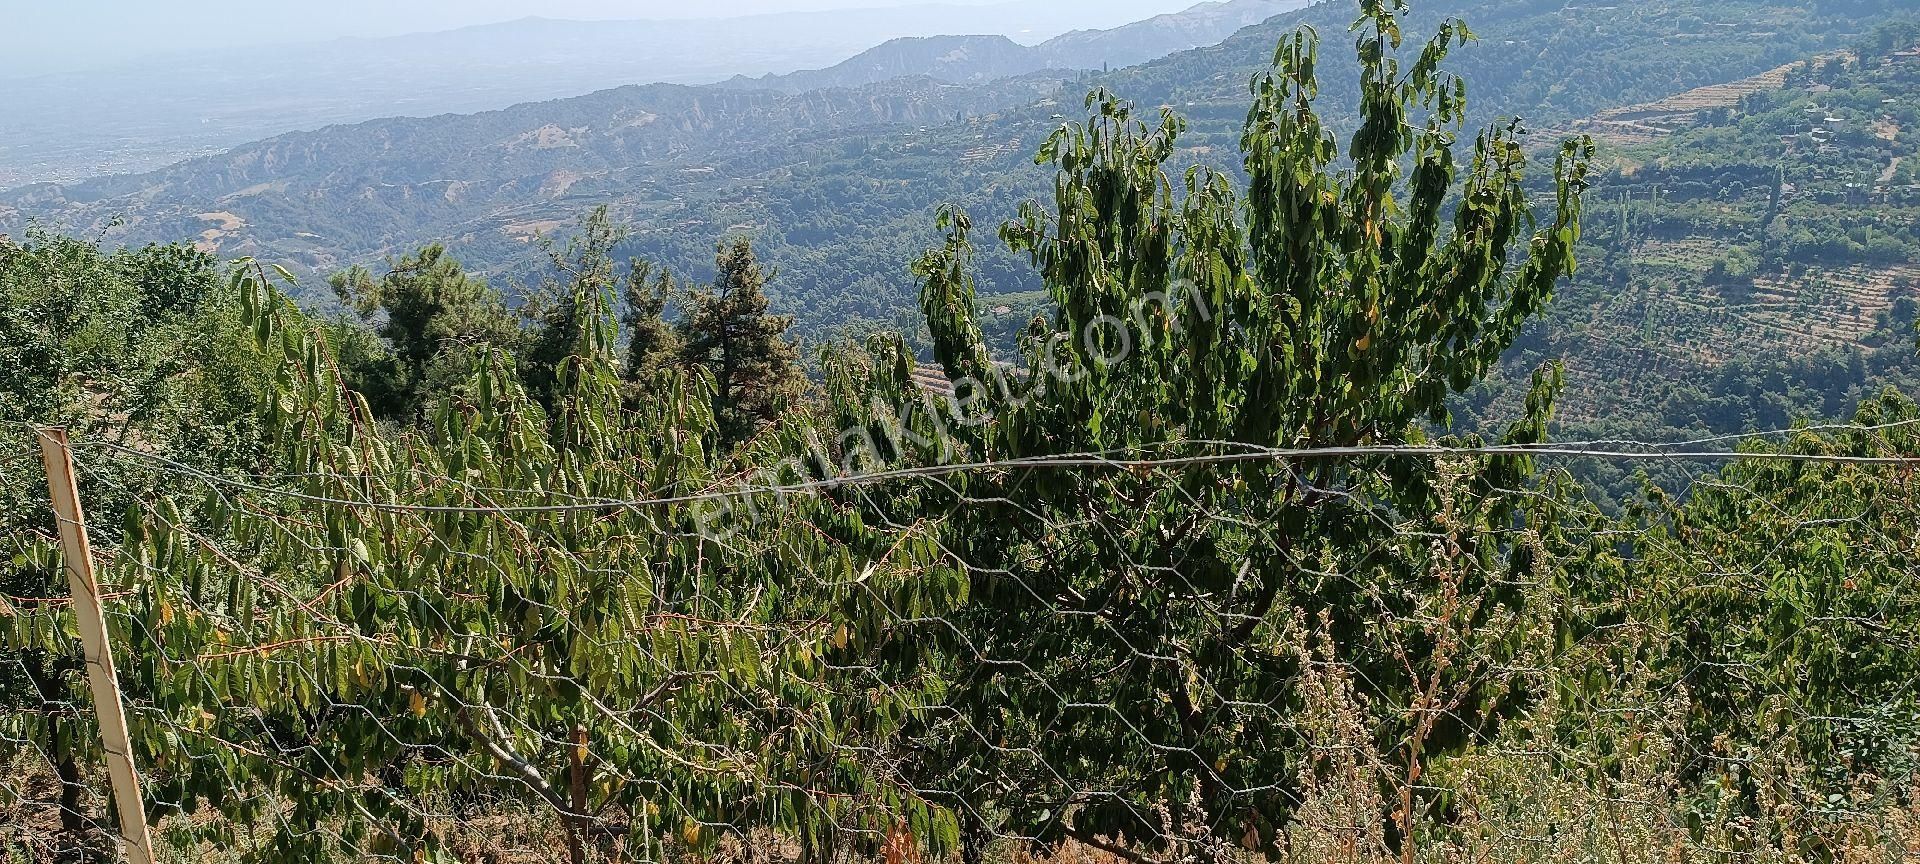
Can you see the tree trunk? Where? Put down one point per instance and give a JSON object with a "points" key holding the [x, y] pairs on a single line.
{"points": [[973, 838], [578, 822], [73, 820], [79, 830]]}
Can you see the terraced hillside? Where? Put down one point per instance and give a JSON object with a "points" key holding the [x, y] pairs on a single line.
{"points": [[1652, 121], [1756, 262]]}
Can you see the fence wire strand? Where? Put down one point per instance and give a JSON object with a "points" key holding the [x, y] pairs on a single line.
{"points": [[1453, 684]]}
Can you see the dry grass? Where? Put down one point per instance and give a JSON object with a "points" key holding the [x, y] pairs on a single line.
{"points": [[508, 833], [30, 829]]}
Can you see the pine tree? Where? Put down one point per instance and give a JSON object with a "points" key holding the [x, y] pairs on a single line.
{"points": [[559, 312], [727, 331], [652, 343], [430, 314]]}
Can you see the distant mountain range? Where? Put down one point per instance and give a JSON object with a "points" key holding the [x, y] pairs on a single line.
{"points": [[964, 59], [954, 59], [838, 185], [542, 151], [144, 115]]}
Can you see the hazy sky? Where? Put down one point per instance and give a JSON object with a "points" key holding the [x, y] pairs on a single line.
{"points": [[61, 35]]}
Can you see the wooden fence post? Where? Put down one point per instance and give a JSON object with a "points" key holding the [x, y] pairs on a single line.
{"points": [[58, 457]]}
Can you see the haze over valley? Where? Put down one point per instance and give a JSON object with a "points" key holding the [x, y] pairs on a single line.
{"points": [[68, 121]]}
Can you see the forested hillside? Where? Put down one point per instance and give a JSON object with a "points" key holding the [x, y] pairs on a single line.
{"points": [[846, 191], [1752, 256], [323, 200], [836, 223]]}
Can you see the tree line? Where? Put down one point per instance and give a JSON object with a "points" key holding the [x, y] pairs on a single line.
{"points": [[417, 329]]}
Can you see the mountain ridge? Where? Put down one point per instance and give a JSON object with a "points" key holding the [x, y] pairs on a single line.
{"points": [[985, 57], [151, 113], [844, 191]]}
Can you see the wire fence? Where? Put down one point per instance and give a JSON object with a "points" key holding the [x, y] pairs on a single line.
{"points": [[1201, 653]]}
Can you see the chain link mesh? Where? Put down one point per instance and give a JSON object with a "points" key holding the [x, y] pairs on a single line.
{"points": [[1002, 663]]}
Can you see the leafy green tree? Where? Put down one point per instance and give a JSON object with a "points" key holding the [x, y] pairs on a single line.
{"points": [[1126, 644], [131, 346], [1788, 594], [648, 685], [726, 330]]}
